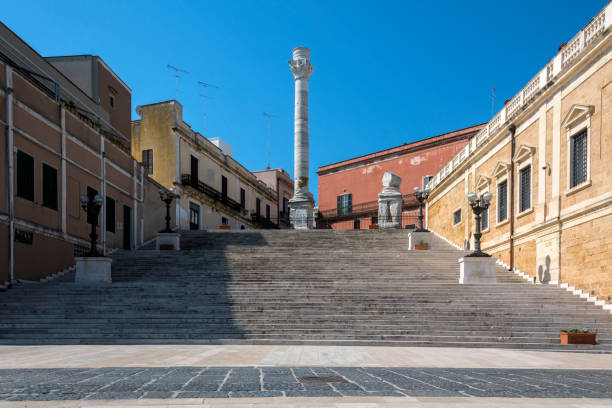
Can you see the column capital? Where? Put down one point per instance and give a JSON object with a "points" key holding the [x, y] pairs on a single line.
{"points": [[300, 65]]}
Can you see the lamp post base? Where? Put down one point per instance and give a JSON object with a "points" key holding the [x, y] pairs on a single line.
{"points": [[477, 270], [93, 270], [169, 241]]}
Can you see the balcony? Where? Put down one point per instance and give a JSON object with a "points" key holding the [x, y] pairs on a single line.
{"points": [[187, 180], [263, 222], [365, 208]]}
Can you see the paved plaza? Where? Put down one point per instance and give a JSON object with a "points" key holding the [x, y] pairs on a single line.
{"points": [[299, 376]]}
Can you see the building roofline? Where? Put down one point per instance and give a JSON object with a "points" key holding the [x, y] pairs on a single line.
{"points": [[423, 144]]}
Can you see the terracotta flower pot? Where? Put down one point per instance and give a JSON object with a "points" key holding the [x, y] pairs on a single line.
{"points": [[166, 247], [578, 338], [373, 226], [421, 246], [224, 227]]}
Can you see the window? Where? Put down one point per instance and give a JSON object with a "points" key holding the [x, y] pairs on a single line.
{"points": [[147, 161], [49, 187], [257, 206], [484, 220], [502, 201], [285, 205], [426, 181], [110, 214], [194, 170], [112, 101], [345, 204], [242, 198], [224, 188], [194, 216], [524, 189], [267, 212], [578, 159], [25, 176], [457, 217], [224, 221]]}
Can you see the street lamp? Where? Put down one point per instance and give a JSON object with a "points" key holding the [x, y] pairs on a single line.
{"points": [[479, 205], [91, 205], [167, 196], [421, 196]]}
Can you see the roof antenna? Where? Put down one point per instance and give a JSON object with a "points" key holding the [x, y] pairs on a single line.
{"points": [[493, 96], [205, 85], [176, 77], [269, 116]]}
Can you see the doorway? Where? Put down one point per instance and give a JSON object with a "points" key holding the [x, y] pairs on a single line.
{"points": [[127, 227]]}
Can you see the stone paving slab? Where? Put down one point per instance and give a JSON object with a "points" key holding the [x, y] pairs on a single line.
{"points": [[345, 402], [144, 383], [50, 356]]}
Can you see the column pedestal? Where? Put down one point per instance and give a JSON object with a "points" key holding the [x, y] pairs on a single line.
{"points": [[301, 213], [477, 270], [168, 241], [390, 210]]}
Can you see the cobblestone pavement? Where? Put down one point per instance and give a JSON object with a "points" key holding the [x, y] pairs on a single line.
{"points": [[223, 382]]}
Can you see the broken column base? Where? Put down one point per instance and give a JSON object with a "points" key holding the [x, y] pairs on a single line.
{"points": [[93, 270], [477, 270]]}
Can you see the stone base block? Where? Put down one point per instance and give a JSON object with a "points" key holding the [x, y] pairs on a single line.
{"points": [[93, 270], [168, 241], [420, 238], [477, 270], [301, 214]]}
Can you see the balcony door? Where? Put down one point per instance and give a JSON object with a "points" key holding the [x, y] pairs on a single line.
{"points": [[194, 170], [194, 216]]}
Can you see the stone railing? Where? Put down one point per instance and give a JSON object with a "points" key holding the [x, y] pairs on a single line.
{"points": [[565, 58]]}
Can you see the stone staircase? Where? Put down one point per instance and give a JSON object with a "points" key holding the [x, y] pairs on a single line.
{"points": [[297, 287]]}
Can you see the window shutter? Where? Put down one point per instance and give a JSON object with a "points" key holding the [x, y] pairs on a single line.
{"points": [[49, 187], [25, 176]]}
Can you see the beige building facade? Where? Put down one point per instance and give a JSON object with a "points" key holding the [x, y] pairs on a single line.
{"points": [[545, 158], [216, 191], [60, 141], [279, 181]]}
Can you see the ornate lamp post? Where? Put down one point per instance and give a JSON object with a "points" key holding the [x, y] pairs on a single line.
{"points": [[421, 196], [479, 205], [167, 196], [91, 205]]}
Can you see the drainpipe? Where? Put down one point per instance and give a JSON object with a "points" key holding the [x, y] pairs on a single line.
{"points": [[512, 129], [11, 170]]}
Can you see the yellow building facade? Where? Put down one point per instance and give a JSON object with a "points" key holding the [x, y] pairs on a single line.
{"points": [[216, 191], [546, 158]]}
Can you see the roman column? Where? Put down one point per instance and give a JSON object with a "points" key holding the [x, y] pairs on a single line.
{"points": [[301, 205]]}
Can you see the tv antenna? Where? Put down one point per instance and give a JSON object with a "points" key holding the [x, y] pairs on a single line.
{"points": [[269, 116], [204, 86], [493, 96], [176, 78]]}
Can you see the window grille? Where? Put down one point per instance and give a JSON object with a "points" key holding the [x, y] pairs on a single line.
{"points": [[49, 187], [110, 214], [502, 201], [578, 157], [457, 217], [525, 189], [345, 204], [25, 176], [147, 161]]}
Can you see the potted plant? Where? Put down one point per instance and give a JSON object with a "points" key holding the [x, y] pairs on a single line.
{"points": [[421, 245], [224, 227], [373, 226], [575, 336]]}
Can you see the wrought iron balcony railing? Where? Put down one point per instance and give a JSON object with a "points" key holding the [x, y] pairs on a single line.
{"points": [[216, 195], [368, 207]]}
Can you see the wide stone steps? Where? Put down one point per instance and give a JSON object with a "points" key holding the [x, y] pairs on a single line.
{"points": [[290, 287]]}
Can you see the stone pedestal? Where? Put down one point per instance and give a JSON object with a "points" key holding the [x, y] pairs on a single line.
{"points": [[420, 238], [169, 241], [301, 213], [390, 202], [477, 270], [93, 270]]}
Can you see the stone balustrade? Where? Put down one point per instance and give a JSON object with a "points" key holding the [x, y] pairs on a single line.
{"points": [[565, 58]]}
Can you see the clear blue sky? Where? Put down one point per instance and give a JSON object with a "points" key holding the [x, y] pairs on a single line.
{"points": [[386, 72]]}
